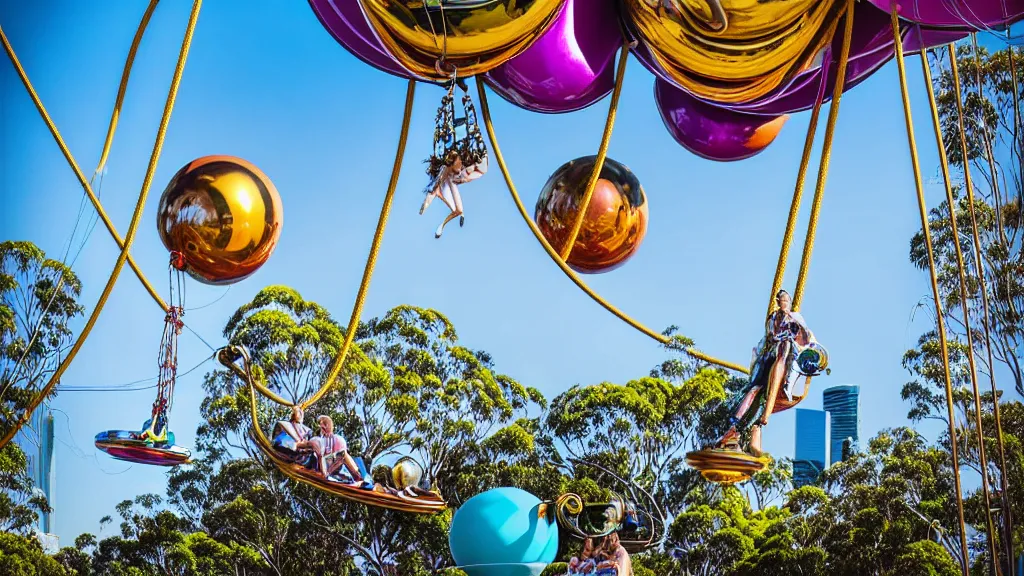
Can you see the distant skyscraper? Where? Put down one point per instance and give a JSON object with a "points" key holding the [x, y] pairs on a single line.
{"points": [[36, 441], [811, 446], [843, 405]]}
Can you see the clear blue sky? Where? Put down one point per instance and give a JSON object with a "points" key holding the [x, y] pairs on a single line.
{"points": [[268, 83]]}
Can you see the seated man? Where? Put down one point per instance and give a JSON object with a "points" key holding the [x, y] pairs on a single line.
{"points": [[332, 452]]}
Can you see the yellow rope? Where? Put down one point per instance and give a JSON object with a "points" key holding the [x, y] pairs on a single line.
{"points": [[602, 153], [371, 260], [826, 156], [941, 325], [944, 163], [132, 228], [980, 273], [123, 87], [78, 171], [486, 113], [794, 206]]}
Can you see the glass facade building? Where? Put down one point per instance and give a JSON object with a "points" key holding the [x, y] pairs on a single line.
{"points": [[843, 405], [36, 441], [811, 446]]}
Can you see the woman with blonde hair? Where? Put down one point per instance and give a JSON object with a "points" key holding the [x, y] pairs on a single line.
{"points": [[614, 560]]}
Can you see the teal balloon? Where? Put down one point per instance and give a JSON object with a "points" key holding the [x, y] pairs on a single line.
{"points": [[501, 526]]}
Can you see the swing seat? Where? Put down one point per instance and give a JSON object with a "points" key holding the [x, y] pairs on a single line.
{"points": [[424, 503], [782, 403], [726, 466], [125, 445]]}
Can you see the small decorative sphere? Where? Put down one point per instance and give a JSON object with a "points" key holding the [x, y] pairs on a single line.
{"points": [[503, 526], [406, 472], [615, 222], [223, 216], [473, 37], [812, 360]]}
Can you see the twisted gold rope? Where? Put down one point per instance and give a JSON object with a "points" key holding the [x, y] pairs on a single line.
{"points": [[110, 136], [944, 164], [980, 273], [486, 113], [602, 153], [132, 227], [904, 92]]}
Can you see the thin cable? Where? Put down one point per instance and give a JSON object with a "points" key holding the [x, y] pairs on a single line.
{"points": [[798, 190], [78, 171], [486, 113], [941, 325], [132, 227], [955, 229], [602, 153], [208, 304], [371, 259], [980, 274], [125, 387], [826, 156]]}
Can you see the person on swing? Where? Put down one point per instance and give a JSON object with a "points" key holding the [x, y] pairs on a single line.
{"points": [[786, 333], [445, 187], [331, 451]]}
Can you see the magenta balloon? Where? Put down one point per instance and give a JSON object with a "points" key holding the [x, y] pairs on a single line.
{"points": [[963, 14], [570, 66], [712, 132], [345, 21]]}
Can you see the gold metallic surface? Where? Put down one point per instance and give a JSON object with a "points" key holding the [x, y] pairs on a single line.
{"points": [[472, 35], [223, 215], [764, 45], [726, 466], [616, 220], [406, 472]]}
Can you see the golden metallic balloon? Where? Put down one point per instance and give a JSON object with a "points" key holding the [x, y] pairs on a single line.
{"points": [[406, 472], [616, 220], [223, 215], [762, 46], [472, 35]]}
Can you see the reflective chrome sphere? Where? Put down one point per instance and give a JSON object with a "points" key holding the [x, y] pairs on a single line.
{"points": [[739, 54], [616, 219], [472, 35], [813, 360], [223, 215], [406, 472]]}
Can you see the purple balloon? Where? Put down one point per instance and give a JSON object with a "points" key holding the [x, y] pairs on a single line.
{"points": [[570, 66], [963, 14], [345, 21], [712, 132]]}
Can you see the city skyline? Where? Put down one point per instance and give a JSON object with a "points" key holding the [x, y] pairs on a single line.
{"points": [[811, 455]]}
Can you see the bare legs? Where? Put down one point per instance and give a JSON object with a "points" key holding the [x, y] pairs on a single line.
{"points": [[775, 380], [450, 196], [448, 192], [344, 458]]}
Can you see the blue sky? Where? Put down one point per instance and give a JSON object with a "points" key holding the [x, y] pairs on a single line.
{"points": [[268, 83]]}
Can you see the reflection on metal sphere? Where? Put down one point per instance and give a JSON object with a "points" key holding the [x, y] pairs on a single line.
{"points": [[406, 472], [616, 219], [223, 215], [472, 35]]}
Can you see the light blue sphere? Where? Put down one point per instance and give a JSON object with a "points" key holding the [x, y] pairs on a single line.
{"points": [[502, 526]]}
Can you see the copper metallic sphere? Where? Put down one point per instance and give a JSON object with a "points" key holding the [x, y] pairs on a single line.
{"points": [[406, 472], [616, 219], [472, 35], [223, 215]]}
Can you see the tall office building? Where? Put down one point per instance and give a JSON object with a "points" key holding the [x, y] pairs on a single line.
{"points": [[36, 441], [811, 446], [843, 405]]}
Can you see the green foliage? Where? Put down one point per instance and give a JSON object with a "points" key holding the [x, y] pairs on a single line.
{"points": [[19, 505], [21, 556], [38, 297]]}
